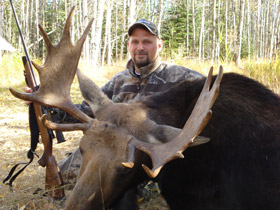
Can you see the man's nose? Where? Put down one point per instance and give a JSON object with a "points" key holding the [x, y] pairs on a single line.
{"points": [[140, 46]]}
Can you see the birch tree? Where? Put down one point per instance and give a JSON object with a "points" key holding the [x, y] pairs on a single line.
{"points": [[218, 31], [248, 30], [98, 30], [1, 18], [257, 43], [93, 31], [187, 27], [26, 22], [85, 22], [66, 8], [36, 26], [240, 28], [200, 54], [213, 32], [132, 9], [275, 16], [123, 30], [107, 37], [193, 24], [116, 31], [226, 29], [160, 13]]}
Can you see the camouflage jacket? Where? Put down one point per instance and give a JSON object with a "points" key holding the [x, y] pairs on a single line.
{"points": [[127, 86], [157, 77]]}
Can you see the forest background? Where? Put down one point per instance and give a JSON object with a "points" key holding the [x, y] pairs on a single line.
{"points": [[216, 31], [242, 35], [241, 32]]}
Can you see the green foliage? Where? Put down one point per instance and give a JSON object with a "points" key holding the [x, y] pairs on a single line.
{"points": [[173, 30]]}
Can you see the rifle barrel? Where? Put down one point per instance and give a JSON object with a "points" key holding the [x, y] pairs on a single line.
{"points": [[23, 43]]}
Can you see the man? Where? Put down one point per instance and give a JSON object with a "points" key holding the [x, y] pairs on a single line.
{"points": [[145, 74]]}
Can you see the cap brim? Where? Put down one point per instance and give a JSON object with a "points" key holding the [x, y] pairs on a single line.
{"points": [[131, 29]]}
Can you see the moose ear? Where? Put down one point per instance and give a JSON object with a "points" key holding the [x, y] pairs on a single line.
{"points": [[165, 133], [92, 93]]}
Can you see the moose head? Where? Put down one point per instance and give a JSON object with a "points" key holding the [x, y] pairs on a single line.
{"points": [[115, 142]]}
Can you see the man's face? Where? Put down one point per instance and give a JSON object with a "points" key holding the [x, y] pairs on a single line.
{"points": [[143, 47]]}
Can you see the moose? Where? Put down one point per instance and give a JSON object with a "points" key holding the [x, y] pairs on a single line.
{"points": [[239, 168]]}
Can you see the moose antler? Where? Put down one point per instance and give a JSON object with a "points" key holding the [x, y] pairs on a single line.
{"points": [[58, 71], [201, 114]]}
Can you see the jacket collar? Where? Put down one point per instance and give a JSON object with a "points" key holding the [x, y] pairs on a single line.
{"points": [[146, 70]]}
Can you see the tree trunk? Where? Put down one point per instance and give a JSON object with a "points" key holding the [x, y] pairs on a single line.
{"points": [[1, 18], [66, 8], [43, 24], [85, 22], [107, 38], [201, 38], [132, 10], [93, 31], [123, 30], [36, 26], [226, 31], [187, 27], [193, 23], [258, 33], [248, 30], [154, 9], [79, 20], [273, 27], [27, 23], [213, 32], [116, 42], [218, 32], [98, 30], [267, 28], [234, 30], [240, 29], [262, 32], [160, 12]]}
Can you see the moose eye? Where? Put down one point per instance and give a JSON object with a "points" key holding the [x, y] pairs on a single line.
{"points": [[123, 171], [81, 150]]}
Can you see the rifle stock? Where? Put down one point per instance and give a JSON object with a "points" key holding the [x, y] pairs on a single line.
{"points": [[54, 181]]}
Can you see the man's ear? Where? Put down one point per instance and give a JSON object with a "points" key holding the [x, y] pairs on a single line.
{"points": [[160, 45]]}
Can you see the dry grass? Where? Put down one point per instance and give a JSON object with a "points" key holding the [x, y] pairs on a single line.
{"points": [[14, 131]]}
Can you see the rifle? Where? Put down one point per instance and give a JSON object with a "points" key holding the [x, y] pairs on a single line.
{"points": [[54, 181]]}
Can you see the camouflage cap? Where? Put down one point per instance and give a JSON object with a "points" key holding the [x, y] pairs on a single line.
{"points": [[149, 25]]}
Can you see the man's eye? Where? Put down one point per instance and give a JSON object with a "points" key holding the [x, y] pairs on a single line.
{"points": [[81, 150]]}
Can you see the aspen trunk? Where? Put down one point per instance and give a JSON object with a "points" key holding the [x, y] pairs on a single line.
{"points": [[200, 54]]}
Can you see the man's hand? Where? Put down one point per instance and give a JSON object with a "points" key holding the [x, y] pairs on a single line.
{"points": [[27, 90]]}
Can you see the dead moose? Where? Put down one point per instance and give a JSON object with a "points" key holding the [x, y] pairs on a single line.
{"points": [[239, 168]]}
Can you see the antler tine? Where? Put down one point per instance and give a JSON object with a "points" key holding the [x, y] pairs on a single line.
{"points": [[45, 37], [57, 73], [66, 30], [65, 127], [84, 36], [201, 114]]}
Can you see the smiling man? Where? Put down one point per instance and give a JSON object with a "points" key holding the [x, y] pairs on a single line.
{"points": [[143, 45]]}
